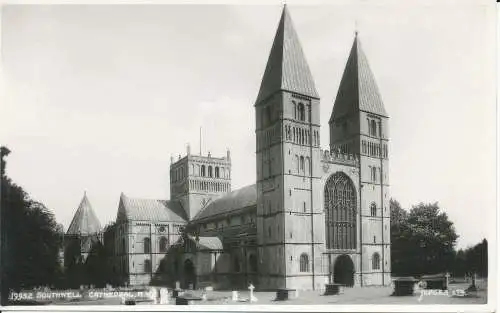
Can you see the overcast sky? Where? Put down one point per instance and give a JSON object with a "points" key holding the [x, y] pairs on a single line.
{"points": [[98, 98]]}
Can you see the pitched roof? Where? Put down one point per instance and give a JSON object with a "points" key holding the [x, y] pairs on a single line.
{"points": [[358, 90], [286, 68], [235, 200], [210, 243], [84, 221], [150, 210]]}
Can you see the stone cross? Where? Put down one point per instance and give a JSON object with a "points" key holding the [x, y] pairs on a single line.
{"points": [[447, 279]]}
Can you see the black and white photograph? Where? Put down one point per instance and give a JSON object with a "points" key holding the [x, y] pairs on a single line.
{"points": [[332, 155]]}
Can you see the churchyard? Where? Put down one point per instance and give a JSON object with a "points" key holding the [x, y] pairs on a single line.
{"points": [[455, 295]]}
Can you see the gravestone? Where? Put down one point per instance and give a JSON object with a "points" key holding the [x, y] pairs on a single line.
{"points": [[283, 294], [252, 297], [152, 294], [235, 296], [404, 286], [164, 296], [332, 289]]}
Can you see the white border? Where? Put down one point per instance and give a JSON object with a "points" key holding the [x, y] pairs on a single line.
{"points": [[493, 294]]}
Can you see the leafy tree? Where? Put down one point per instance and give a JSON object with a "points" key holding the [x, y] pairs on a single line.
{"points": [[476, 259], [96, 266], [459, 264], [31, 240], [422, 240]]}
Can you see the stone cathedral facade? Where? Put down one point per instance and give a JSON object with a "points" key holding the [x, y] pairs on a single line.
{"points": [[313, 216]]}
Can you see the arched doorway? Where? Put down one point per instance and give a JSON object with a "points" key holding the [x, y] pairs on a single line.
{"points": [[189, 274], [343, 271]]}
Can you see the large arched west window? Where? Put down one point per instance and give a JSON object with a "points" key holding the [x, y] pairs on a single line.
{"points": [[376, 261], [340, 208]]}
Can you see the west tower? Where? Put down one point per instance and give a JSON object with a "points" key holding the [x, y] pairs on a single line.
{"points": [[289, 211], [359, 125], [197, 179]]}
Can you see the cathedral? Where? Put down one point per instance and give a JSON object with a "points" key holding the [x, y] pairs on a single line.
{"points": [[312, 217]]}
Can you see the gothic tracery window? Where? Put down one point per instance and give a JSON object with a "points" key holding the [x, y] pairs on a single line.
{"points": [[340, 208]]}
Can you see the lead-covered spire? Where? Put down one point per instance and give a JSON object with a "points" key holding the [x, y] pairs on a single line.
{"points": [[358, 90], [84, 222], [286, 68]]}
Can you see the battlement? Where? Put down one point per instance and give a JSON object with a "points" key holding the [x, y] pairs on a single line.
{"points": [[336, 156], [226, 160]]}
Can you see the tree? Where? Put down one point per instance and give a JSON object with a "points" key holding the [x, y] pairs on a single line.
{"points": [[96, 266], [459, 264], [422, 240], [476, 259], [30, 239]]}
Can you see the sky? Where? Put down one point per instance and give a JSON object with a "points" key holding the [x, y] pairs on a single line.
{"points": [[98, 98]]}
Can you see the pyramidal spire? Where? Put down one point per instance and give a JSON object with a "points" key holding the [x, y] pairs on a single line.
{"points": [[84, 221], [286, 68], [358, 90]]}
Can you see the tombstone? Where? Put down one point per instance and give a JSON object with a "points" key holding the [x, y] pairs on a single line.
{"points": [[177, 285], [153, 295], [447, 280], [332, 289], [235, 295], [404, 286], [283, 294], [164, 296], [252, 297], [204, 295], [296, 293]]}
